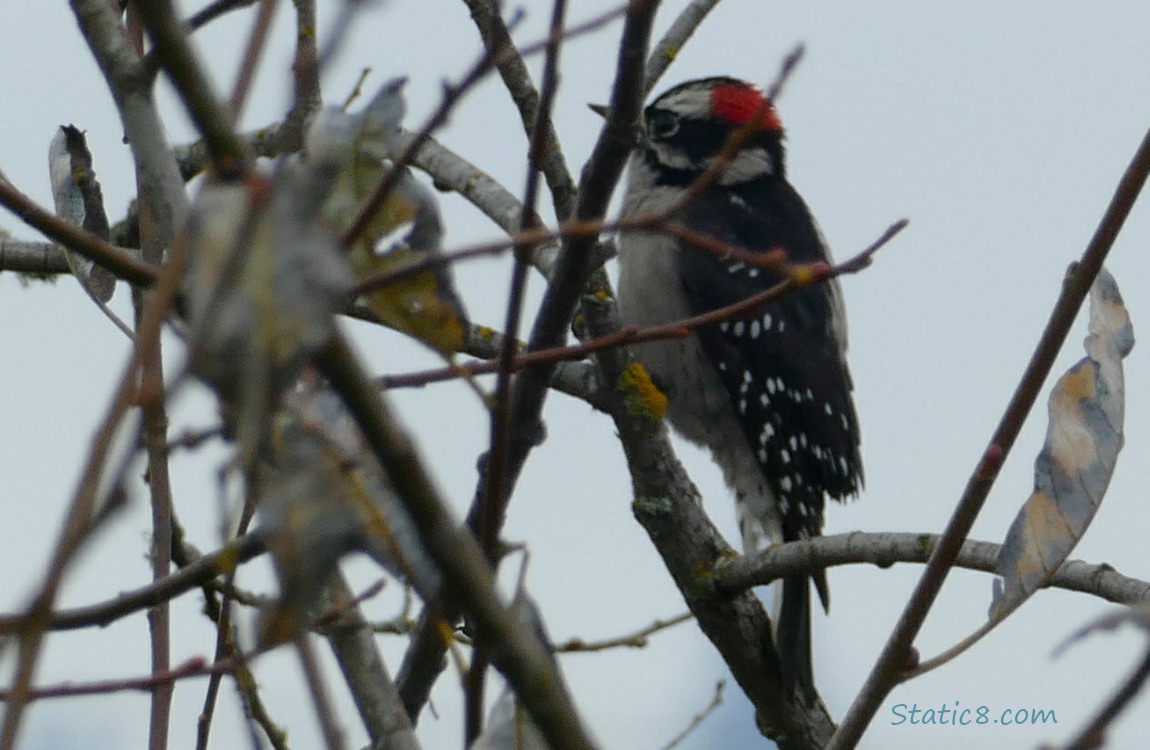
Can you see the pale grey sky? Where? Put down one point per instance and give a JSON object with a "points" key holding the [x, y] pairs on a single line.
{"points": [[1000, 132]]}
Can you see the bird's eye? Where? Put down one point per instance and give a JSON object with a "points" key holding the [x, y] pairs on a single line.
{"points": [[662, 124]]}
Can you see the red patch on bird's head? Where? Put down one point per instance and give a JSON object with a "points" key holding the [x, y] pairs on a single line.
{"points": [[738, 103]]}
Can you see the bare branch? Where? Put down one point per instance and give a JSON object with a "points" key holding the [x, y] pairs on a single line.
{"points": [[886, 549], [306, 97], [1093, 735], [638, 639], [213, 11], [451, 97], [700, 717], [885, 673], [194, 575], [798, 276], [121, 262], [177, 58], [517, 80], [672, 42], [574, 267], [493, 492], [255, 47], [190, 668], [30, 257], [144, 131], [353, 643], [467, 576]]}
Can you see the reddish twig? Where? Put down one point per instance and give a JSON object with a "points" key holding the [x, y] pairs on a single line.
{"points": [[570, 230], [255, 47], [798, 276], [196, 667]]}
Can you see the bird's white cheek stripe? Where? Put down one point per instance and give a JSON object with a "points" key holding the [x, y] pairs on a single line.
{"points": [[750, 164]]}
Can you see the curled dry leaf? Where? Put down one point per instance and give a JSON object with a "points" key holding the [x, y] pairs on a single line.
{"points": [[79, 200], [423, 305], [265, 281], [322, 495], [1073, 470]]}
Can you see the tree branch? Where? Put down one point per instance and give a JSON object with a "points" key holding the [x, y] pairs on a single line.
{"points": [[517, 80], [176, 56], [196, 574], [353, 643], [32, 257], [306, 96], [424, 659], [672, 42], [122, 263], [467, 577], [884, 675], [885, 549]]}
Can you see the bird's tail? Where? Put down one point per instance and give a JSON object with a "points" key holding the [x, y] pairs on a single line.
{"points": [[793, 631]]}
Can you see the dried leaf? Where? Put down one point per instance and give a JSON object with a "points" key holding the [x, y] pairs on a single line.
{"points": [[423, 305], [79, 200], [266, 278], [1073, 470], [322, 494]]}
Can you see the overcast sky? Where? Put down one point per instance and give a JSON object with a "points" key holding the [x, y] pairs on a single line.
{"points": [[1000, 132]]}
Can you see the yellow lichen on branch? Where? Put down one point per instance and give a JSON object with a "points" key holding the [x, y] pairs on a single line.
{"points": [[641, 395]]}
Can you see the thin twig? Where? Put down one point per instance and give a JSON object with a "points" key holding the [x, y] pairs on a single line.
{"points": [[493, 497], [798, 276], [211, 12], [1093, 735], [893, 659], [657, 223], [306, 97], [190, 577], [324, 709], [424, 659], [356, 90], [225, 648], [190, 668], [155, 429], [700, 717], [84, 511], [543, 140], [638, 639], [252, 53], [226, 643], [493, 492]]}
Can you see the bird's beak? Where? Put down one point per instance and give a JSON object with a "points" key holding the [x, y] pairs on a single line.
{"points": [[600, 109]]}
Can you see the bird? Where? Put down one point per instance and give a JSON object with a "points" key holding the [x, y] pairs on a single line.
{"points": [[768, 394]]}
